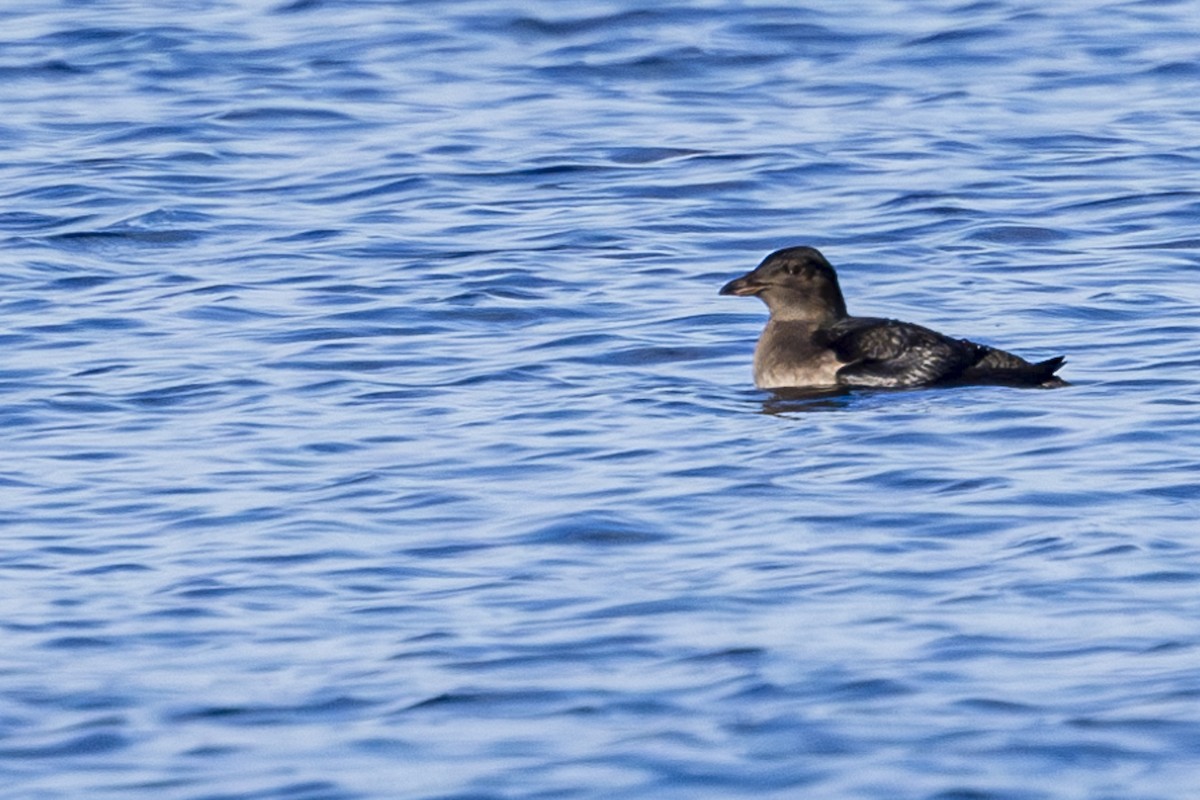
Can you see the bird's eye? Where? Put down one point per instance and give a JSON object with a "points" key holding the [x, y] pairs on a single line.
{"points": [[792, 268]]}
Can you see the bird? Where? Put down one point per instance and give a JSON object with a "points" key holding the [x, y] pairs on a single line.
{"points": [[811, 341]]}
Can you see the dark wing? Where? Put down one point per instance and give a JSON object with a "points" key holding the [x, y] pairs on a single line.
{"points": [[884, 352]]}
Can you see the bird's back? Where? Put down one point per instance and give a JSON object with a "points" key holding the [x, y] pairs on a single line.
{"points": [[889, 353]]}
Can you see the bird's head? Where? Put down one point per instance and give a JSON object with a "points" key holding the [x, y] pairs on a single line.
{"points": [[796, 283]]}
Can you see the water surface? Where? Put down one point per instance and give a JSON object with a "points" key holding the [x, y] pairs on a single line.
{"points": [[373, 428]]}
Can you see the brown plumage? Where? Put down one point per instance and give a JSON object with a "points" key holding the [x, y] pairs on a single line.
{"points": [[811, 341]]}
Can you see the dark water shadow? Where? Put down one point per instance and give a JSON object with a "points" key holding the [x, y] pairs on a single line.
{"points": [[842, 398], [810, 400]]}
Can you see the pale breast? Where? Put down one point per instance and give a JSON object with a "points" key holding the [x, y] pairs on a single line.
{"points": [[819, 371], [786, 357]]}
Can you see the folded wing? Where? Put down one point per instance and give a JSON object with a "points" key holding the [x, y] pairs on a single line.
{"points": [[888, 353]]}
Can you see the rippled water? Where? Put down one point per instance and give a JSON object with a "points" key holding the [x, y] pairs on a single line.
{"points": [[373, 428]]}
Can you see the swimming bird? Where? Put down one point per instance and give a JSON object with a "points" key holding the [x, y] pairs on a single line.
{"points": [[811, 341]]}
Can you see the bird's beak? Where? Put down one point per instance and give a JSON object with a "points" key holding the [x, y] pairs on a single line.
{"points": [[743, 286]]}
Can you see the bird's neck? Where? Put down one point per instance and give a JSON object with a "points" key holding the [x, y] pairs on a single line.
{"points": [[816, 315], [810, 317], [817, 310]]}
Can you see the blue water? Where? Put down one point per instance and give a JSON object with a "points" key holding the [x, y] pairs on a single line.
{"points": [[372, 427]]}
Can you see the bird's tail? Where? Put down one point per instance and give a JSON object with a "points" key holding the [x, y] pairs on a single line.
{"points": [[997, 366]]}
